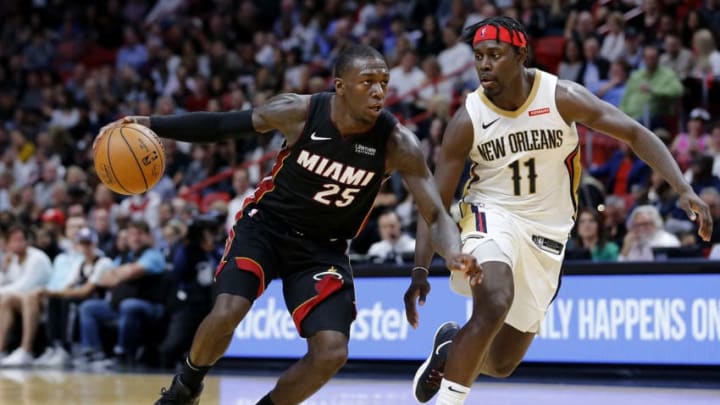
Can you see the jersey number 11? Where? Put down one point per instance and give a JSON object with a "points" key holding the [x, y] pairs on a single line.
{"points": [[531, 175]]}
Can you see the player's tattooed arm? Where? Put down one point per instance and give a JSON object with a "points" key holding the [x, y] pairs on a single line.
{"points": [[285, 112]]}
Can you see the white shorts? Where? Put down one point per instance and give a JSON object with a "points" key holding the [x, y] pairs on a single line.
{"points": [[535, 257]]}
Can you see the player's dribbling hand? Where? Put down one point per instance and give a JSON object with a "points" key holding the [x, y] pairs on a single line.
{"points": [[130, 119], [697, 211], [417, 291]]}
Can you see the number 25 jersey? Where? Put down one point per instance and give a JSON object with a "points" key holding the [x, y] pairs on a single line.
{"points": [[526, 161], [324, 184]]}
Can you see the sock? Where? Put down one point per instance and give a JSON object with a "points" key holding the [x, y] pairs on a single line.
{"points": [[266, 400], [191, 375], [452, 393]]}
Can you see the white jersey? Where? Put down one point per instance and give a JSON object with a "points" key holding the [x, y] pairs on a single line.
{"points": [[525, 161]]}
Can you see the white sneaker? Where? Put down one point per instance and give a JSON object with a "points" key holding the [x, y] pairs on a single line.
{"points": [[18, 358], [59, 359], [42, 360]]}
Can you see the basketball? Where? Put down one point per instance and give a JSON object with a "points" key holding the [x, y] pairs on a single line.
{"points": [[129, 159]]}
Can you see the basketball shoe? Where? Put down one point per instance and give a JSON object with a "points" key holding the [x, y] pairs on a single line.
{"points": [[179, 394], [428, 377]]}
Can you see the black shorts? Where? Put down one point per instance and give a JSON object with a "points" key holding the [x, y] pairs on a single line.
{"points": [[317, 280]]}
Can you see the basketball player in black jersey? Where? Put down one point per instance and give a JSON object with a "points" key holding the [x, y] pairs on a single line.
{"points": [[338, 149]]}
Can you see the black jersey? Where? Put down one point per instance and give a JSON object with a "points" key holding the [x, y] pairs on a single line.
{"points": [[324, 185]]}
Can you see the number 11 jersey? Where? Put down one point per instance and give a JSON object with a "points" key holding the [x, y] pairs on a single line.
{"points": [[525, 161]]}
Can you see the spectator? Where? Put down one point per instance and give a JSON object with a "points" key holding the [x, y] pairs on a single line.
{"points": [[394, 243], [405, 80], [613, 44], [651, 90], [241, 186], [136, 299], [102, 226], [133, 53], [622, 171], [60, 298], [457, 59], [707, 57], [590, 231], [688, 144], [572, 61], [677, 57], [615, 210], [193, 265], [430, 43], [645, 232], [701, 175], [612, 90], [28, 269], [595, 67]]}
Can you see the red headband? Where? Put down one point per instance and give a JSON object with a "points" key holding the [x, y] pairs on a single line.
{"points": [[502, 34]]}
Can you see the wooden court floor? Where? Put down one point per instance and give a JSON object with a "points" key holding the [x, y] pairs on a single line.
{"points": [[40, 387]]}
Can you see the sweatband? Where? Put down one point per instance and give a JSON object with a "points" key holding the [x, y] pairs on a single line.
{"points": [[501, 34]]}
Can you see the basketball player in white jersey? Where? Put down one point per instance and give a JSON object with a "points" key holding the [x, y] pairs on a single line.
{"points": [[518, 206]]}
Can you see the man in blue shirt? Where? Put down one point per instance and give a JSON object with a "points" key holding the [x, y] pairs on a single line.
{"points": [[135, 295]]}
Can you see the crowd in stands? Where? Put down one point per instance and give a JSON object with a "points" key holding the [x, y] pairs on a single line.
{"points": [[83, 269]]}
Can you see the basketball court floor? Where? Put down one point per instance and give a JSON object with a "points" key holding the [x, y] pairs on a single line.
{"points": [[40, 387]]}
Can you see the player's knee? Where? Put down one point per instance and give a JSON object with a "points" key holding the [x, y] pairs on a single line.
{"points": [[229, 310], [329, 355], [330, 359], [494, 305]]}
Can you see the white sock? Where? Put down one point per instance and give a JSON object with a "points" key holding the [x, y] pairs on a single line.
{"points": [[452, 393]]}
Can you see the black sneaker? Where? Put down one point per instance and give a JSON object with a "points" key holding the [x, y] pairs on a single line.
{"points": [[428, 377], [179, 394]]}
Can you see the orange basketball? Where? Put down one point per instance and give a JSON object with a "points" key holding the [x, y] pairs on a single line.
{"points": [[129, 159]]}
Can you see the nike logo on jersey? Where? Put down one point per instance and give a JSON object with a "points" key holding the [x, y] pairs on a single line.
{"points": [[440, 346], [486, 126], [314, 137]]}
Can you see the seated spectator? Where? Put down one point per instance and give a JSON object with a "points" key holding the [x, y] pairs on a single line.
{"points": [[701, 175], [572, 61], [622, 171], [707, 56], [193, 265], [651, 90], [591, 236], [612, 89], [242, 188], [28, 269], [135, 299], [394, 242], [676, 57], [645, 232], [60, 299], [64, 269], [613, 44], [594, 67], [688, 144]]}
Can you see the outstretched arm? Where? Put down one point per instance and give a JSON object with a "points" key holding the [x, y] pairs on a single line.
{"points": [[454, 152], [577, 104], [285, 112], [405, 156]]}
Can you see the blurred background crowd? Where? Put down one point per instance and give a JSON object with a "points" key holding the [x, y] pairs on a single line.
{"points": [[76, 258]]}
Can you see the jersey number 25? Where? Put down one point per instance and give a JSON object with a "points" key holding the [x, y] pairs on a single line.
{"points": [[335, 195]]}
